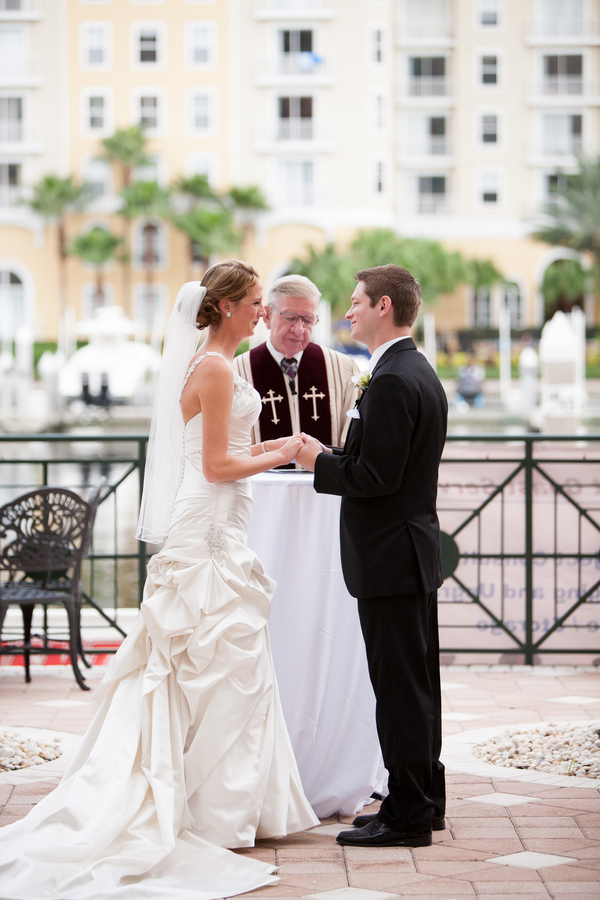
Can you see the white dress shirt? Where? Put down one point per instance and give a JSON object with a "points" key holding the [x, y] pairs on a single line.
{"points": [[277, 356], [377, 354]]}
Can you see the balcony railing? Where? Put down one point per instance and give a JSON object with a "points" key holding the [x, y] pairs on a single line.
{"points": [[430, 145], [433, 204], [429, 86], [16, 133], [563, 28], [562, 145], [292, 6], [423, 29], [10, 195], [519, 520], [563, 86], [295, 130], [26, 71]]}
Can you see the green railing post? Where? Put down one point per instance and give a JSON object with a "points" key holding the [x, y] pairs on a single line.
{"points": [[528, 551], [142, 544]]}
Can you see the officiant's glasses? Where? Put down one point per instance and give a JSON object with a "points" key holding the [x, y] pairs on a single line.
{"points": [[292, 318]]}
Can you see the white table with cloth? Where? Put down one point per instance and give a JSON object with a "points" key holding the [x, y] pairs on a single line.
{"points": [[317, 643]]}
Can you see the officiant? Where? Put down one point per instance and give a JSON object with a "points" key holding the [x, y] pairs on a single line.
{"points": [[303, 386]]}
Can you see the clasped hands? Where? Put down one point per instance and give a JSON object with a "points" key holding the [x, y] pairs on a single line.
{"points": [[309, 451]]}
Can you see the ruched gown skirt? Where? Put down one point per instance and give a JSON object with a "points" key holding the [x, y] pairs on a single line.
{"points": [[188, 753]]}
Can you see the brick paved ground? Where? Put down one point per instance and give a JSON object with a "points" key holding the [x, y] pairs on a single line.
{"points": [[555, 821]]}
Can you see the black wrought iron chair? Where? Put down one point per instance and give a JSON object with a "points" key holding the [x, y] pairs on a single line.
{"points": [[44, 537]]}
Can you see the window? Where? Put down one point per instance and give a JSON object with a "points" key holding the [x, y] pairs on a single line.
{"points": [[377, 43], [563, 74], [201, 44], [96, 112], [203, 164], [149, 112], [95, 40], [562, 133], [482, 307], [437, 136], [489, 70], [11, 119], [296, 182], [98, 174], [296, 56], [512, 299], [150, 306], [14, 56], [432, 194], [489, 189], [552, 185], [10, 184], [295, 118], [561, 18], [148, 43], [427, 18], [12, 303], [92, 299], [488, 13], [150, 172], [489, 129], [379, 122], [380, 186], [427, 76], [149, 246], [202, 111]]}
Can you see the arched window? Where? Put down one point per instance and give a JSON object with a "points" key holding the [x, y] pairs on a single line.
{"points": [[481, 314], [12, 307], [150, 245], [513, 300]]}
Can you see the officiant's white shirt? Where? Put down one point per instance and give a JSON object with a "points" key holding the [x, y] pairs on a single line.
{"points": [[377, 354]]}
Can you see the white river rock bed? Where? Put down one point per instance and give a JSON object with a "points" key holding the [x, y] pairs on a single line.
{"points": [[565, 749], [20, 752]]}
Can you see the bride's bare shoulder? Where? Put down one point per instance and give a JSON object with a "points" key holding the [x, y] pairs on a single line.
{"points": [[210, 368]]}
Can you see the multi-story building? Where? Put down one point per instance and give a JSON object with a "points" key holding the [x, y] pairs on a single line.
{"points": [[446, 119]]}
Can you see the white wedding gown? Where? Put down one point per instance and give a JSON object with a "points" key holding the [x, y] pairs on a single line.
{"points": [[188, 753]]}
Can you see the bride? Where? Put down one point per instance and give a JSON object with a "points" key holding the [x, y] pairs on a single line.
{"points": [[188, 755]]}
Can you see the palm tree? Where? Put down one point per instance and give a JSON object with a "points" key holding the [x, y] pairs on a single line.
{"points": [[53, 197], [97, 247], [126, 148], [210, 230], [573, 221], [146, 199], [246, 202]]}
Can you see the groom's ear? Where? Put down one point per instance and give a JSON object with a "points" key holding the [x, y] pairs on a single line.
{"points": [[385, 306]]}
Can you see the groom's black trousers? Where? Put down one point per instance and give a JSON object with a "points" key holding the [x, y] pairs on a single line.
{"points": [[401, 637]]}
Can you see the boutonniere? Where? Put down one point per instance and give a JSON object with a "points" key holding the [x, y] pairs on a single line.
{"points": [[362, 382]]}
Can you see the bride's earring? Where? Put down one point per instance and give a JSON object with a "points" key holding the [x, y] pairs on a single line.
{"points": [[228, 315]]}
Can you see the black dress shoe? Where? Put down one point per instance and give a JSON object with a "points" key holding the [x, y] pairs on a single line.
{"points": [[376, 834], [438, 823]]}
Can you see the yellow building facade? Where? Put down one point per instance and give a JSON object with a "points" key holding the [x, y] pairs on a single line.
{"points": [[445, 119]]}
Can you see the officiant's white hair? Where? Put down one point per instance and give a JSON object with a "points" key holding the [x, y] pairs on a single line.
{"points": [[293, 286]]}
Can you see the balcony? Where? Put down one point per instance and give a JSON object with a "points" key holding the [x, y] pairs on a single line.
{"points": [[305, 69], [17, 137], [429, 86], [433, 205], [563, 30], [294, 135], [28, 73], [562, 145], [434, 31], [20, 10], [281, 10], [570, 89], [10, 196]]}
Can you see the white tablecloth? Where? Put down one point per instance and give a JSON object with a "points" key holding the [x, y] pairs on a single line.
{"points": [[317, 643]]}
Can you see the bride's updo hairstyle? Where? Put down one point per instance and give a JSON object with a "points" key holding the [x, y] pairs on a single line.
{"points": [[228, 280]]}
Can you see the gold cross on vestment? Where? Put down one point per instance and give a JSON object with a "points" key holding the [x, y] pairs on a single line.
{"points": [[312, 395], [272, 398]]}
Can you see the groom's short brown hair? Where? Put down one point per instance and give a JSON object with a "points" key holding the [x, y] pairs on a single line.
{"points": [[399, 285]]}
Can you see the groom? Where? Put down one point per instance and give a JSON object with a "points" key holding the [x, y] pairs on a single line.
{"points": [[390, 543]]}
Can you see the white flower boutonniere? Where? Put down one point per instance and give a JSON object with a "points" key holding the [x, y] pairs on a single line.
{"points": [[362, 382]]}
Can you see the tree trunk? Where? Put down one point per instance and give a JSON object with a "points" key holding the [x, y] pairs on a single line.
{"points": [[62, 267], [99, 287], [126, 264]]}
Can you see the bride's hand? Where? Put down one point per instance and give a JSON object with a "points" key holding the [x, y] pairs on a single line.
{"points": [[291, 447]]}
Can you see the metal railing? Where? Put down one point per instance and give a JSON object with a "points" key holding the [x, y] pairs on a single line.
{"points": [[520, 546], [429, 86]]}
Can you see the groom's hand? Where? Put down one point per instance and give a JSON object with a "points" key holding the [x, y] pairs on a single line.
{"points": [[306, 455]]}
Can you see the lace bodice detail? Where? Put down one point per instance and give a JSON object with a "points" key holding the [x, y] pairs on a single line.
{"points": [[239, 382], [246, 400]]}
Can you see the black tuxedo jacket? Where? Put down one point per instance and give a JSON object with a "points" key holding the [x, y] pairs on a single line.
{"points": [[387, 475]]}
